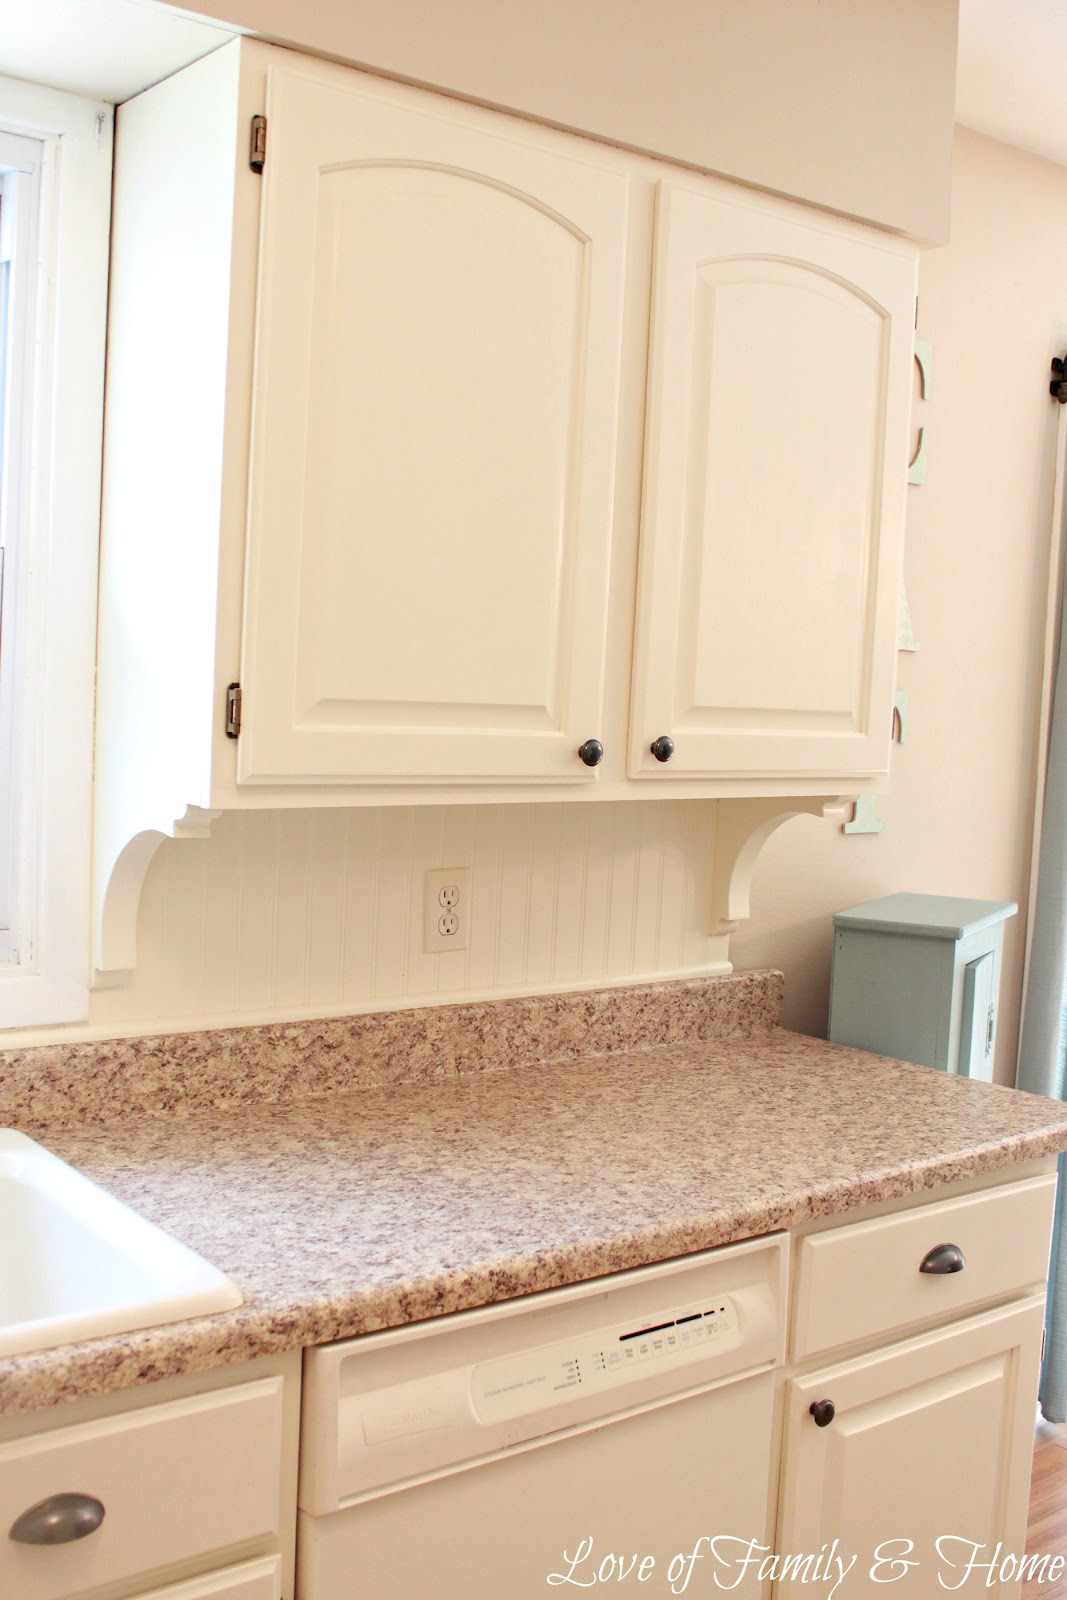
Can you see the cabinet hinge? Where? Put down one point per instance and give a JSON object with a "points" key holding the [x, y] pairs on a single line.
{"points": [[233, 710], [257, 150]]}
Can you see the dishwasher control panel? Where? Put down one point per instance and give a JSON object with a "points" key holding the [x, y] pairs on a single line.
{"points": [[392, 1408], [518, 1385]]}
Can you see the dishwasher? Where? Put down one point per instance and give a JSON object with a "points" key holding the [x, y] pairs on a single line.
{"points": [[617, 1432]]}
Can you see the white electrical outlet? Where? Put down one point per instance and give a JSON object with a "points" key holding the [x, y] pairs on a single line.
{"points": [[446, 920]]}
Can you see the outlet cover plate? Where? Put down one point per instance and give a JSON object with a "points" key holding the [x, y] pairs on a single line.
{"points": [[446, 901]]}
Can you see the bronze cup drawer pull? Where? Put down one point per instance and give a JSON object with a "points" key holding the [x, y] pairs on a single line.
{"points": [[943, 1258], [60, 1519]]}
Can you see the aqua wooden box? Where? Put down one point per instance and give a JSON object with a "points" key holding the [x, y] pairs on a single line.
{"points": [[917, 976]]}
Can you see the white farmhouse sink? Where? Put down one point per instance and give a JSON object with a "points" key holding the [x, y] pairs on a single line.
{"points": [[76, 1263]]}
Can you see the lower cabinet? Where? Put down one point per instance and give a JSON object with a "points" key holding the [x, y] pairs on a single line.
{"points": [[897, 1435], [908, 1409], [916, 1458], [906, 1412], [183, 1490]]}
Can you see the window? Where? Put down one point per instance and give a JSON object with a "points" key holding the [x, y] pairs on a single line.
{"points": [[55, 183], [21, 160]]}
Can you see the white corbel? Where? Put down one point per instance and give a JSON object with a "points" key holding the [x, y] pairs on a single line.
{"points": [[742, 828]]}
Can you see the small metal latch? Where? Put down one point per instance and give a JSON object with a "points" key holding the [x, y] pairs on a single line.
{"points": [[257, 150], [233, 710], [989, 1030]]}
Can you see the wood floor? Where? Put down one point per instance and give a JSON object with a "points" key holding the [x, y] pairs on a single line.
{"points": [[1046, 1528]]}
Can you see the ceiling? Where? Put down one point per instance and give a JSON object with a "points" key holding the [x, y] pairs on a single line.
{"points": [[108, 49], [1010, 72]]}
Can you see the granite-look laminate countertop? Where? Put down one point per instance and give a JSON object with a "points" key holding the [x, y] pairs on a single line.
{"points": [[366, 1209]]}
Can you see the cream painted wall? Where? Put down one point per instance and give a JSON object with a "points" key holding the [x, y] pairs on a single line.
{"points": [[959, 811], [847, 103]]}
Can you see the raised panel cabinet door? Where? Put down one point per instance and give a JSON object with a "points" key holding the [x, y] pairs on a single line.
{"points": [[772, 520], [925, 1459], [434, 437]]}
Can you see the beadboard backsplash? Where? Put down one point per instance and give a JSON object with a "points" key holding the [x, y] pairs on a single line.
{"points": [[300, 913]]}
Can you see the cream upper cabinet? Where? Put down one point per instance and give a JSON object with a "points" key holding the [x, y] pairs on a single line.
{"points": [[375, 433], [772, 525], [433, 442]]}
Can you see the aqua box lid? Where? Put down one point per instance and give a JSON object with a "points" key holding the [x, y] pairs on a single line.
{"points": [[927, 916]]}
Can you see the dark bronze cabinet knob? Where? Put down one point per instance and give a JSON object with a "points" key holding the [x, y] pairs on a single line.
{"points": [[824, 1412], [943, 1258], [591, 752], [663, 747], [61, 1519]]}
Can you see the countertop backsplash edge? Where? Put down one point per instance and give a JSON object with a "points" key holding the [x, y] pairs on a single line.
{"points": [[95, 1083]]}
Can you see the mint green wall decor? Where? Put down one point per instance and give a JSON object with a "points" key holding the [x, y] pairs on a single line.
{"points": [[865, 818], [906, 639]]}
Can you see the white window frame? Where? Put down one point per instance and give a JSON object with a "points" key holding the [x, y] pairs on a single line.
{"points": [[57, 544], [21, 162]]}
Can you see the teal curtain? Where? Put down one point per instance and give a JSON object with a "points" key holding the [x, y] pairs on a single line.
{"points": [[1042, 1055]]}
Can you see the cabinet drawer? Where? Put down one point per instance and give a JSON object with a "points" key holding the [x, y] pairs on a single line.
{"points": [[176, 1481], [252, 1580], [863, 1281]]}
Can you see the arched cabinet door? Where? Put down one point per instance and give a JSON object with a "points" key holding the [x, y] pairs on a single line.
{"points": [[433, 442], [772, 523]]}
